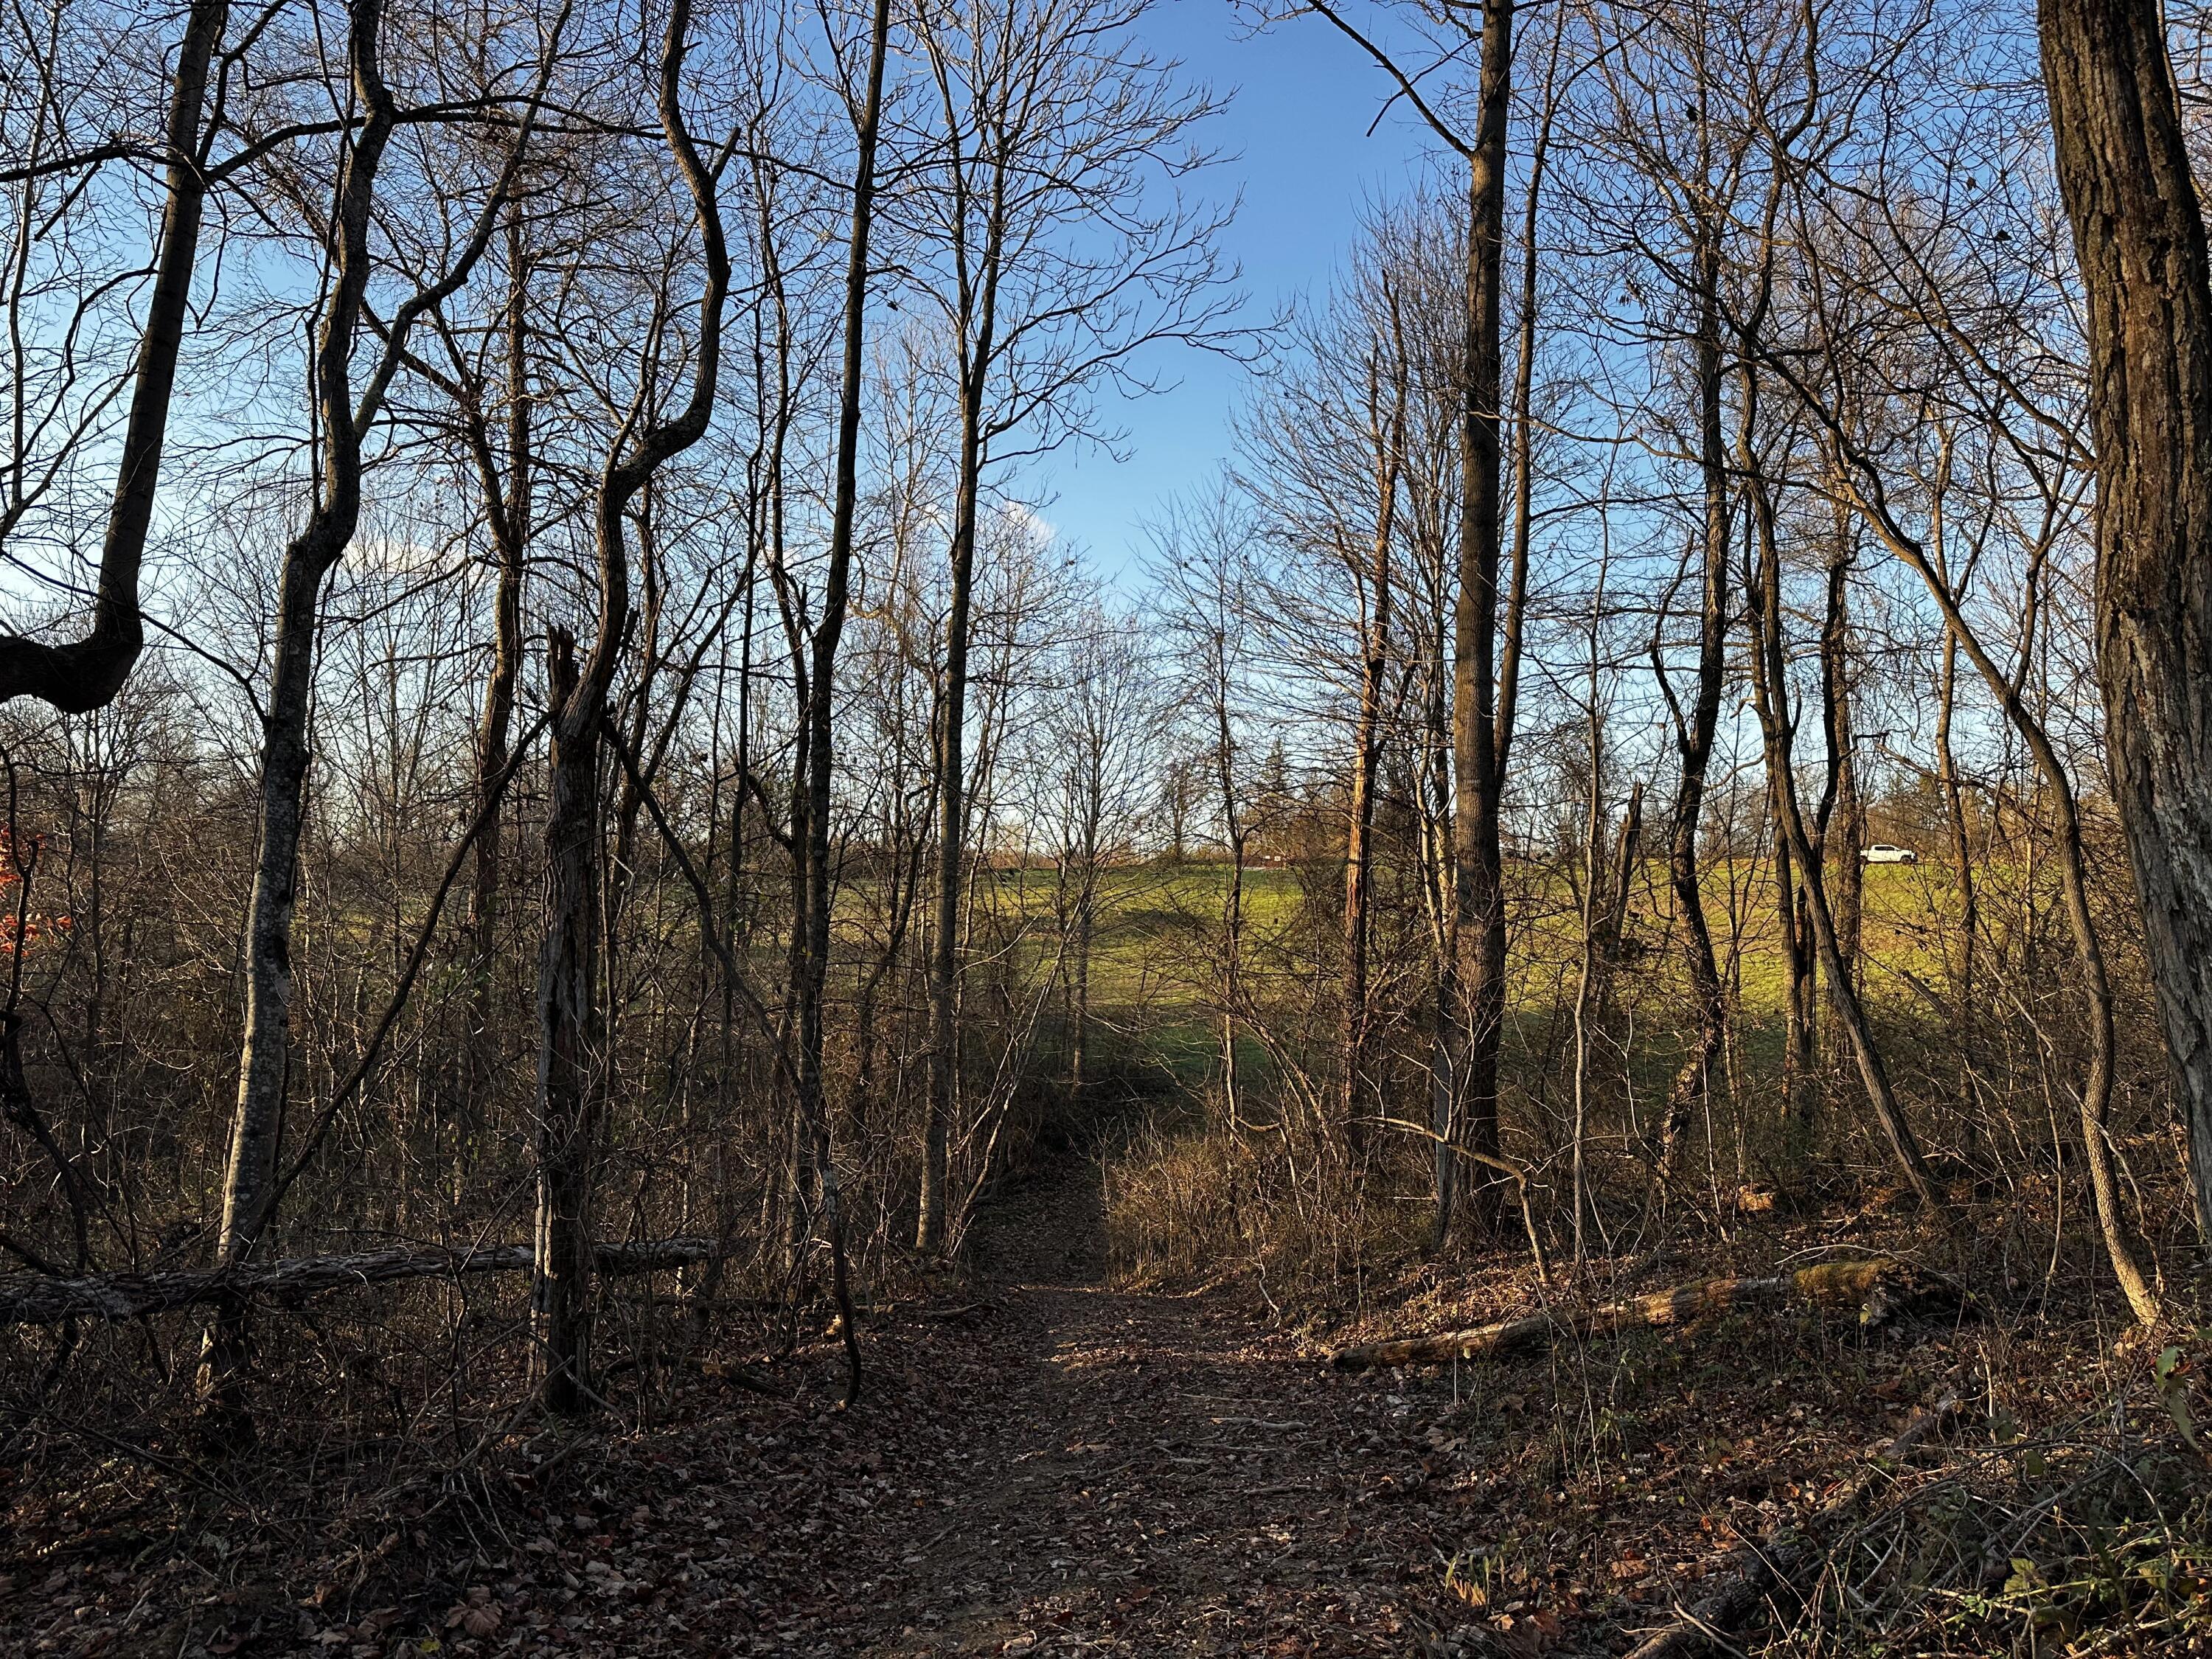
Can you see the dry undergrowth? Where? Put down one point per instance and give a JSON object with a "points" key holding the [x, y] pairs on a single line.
{"points": [[1051, 1470], [2066, 1509]]}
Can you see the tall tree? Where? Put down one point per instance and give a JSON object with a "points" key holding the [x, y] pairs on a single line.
{"points": [[1052, 266], [2123, 168], [570, 1014], [1481, 718], [816, 768], [1326, 450], [87, 673], [250, 1184]]}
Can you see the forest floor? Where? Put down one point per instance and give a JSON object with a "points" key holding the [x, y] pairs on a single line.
{"points": [[1044, 1464]]}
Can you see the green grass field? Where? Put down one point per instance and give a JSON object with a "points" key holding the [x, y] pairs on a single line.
{"points": [[1153, 917], [1156, 962]]}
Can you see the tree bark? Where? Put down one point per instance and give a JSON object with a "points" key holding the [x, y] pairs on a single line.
{"points": [[506, 512], [1693, 737], [1880, 1286], [1771, 699], [1232, 897], [1386, 433], [289, 1282], [1078, 980], [951, 761], [1479, 775], [1839, 824], [812, 966], [570, 1018], [2074, 882], [2146, 287], [1484, 687], [264, 1064], [570, 1097], [87, 673]]}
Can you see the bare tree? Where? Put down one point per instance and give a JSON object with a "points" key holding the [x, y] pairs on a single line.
{"points": [[2124, 166], [1481, 729], [86, 673], [250, 1183], [1200, 551], [1054, 268], [811, 966], [1092, 775]]}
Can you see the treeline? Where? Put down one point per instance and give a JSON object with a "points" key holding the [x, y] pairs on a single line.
{"points": [[585, 561], [574, 747], [1667, 507]]}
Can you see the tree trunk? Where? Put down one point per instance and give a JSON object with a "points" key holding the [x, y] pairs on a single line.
{"points": [[2073, 881], [1966, 1018], [1771, 699], [571, 1019], [1693, 737], [1366, 758], [1839, 826], [264, 1060], [2147, 285], [1439, 881], [819, 759], [1881, 1285], [289, 1282], [1478, 776], [1591, 971], [1233, 905], [1079, 990], [569, 1095], [87, 673], [1359, 884], [953, 826], [264, 1064], [507, 510]]}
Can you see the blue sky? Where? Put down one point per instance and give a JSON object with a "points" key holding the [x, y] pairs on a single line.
{"points": [[1295, 147]]}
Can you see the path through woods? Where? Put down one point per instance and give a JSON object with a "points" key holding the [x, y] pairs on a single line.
{"points": [[1042, 1463], [1140, 1474]]}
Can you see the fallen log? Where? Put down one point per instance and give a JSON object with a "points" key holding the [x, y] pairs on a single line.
{"points": [[38, 1300], [748, 1377], [1756, 1573], [1882, 1286]]}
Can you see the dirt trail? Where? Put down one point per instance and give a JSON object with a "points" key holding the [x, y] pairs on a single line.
{"points": [[1144, 1473], [1040, 1464]]}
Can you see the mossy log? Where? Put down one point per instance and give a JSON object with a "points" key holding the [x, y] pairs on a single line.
{"points": [[1880, 1287]]}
